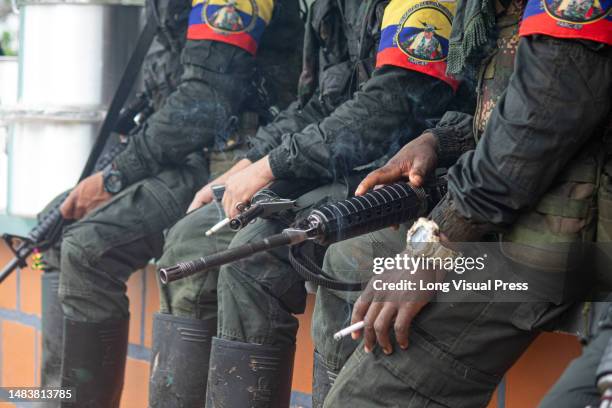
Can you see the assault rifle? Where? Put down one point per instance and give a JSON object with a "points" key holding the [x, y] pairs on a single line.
{"points": [[390, 205]]}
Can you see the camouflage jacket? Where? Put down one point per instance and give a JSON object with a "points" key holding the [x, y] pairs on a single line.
{"points": [[217, 82], [348, 113]]}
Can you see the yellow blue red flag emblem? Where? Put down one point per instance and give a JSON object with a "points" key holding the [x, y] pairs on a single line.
{"points": [[415, 36], [584, 19], [237, 22]]}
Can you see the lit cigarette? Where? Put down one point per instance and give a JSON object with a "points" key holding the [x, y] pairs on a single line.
{"points": [[348, 330], [218, 226]]}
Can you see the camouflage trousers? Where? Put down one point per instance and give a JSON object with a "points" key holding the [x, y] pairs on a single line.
{"points": [[195, 296], [99, 252], [259, 295], [458, 351]]}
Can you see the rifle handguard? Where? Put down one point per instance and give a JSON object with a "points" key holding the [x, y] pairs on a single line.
{"points": [[390, 205]]}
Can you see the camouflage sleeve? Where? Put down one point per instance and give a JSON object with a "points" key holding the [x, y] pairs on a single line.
{"points": [[291, 120], [454, 135], [532, 134], [408, 87], [218, 64], [391, 108], [161, 68]]}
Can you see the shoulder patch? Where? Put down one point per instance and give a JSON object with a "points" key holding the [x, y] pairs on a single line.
{"points": [[415, 36], [237, 22], [583, 19]]}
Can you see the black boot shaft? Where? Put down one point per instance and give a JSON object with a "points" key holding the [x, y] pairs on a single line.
{"points": [[52, 331], [245, 375], [94, 362], [179, 361]]}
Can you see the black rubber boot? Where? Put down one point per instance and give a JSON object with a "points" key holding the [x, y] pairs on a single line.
{"points": [[323, 378], [245, 375], [94, 362], [52, 331], [179, 362]]}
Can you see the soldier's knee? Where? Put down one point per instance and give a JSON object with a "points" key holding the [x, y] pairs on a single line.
{"points": [[81, 245], [231, 280], [74, 257], [247, 269], [193, 297], [194, 225], [186, 240]]}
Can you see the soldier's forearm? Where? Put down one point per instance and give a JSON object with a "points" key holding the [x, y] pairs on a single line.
{"points": [[293, 119], [390, 110], [194, 116]]}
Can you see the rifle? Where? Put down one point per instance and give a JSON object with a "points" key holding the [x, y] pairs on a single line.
{"points": [[265, 203], [49, 229], [390, 205]]}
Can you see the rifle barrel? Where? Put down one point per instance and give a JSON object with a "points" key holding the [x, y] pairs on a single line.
{"points": [[184, 269]]}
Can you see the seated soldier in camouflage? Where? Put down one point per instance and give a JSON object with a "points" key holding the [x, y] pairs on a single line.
{"points": [[533, 176], [122, 212], [321, 139]]}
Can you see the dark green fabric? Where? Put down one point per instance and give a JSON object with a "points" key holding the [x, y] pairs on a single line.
{"points": [[541, 122], [195, 116], [365, 114], [292, 118], [458, 351], [162, 69], [454, 135], [219, 81], [604, 204], [102, 250], [473, 29], [195, 296], [390, 109]]}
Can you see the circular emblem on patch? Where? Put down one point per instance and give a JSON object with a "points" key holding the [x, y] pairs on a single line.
{"points": [[423, 32], [578, 11], [230, 16]]}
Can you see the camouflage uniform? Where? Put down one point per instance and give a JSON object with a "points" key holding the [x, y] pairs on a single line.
{"points": [[458, 352], [578, 384], [198, 100], [325, 136], [161, 72]]}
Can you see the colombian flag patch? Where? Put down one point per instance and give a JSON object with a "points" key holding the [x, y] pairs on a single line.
{"points": [[237, 22], [415, 36]]}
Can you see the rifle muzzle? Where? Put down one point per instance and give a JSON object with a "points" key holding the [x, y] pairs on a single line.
{"points": [[184, 269]]}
